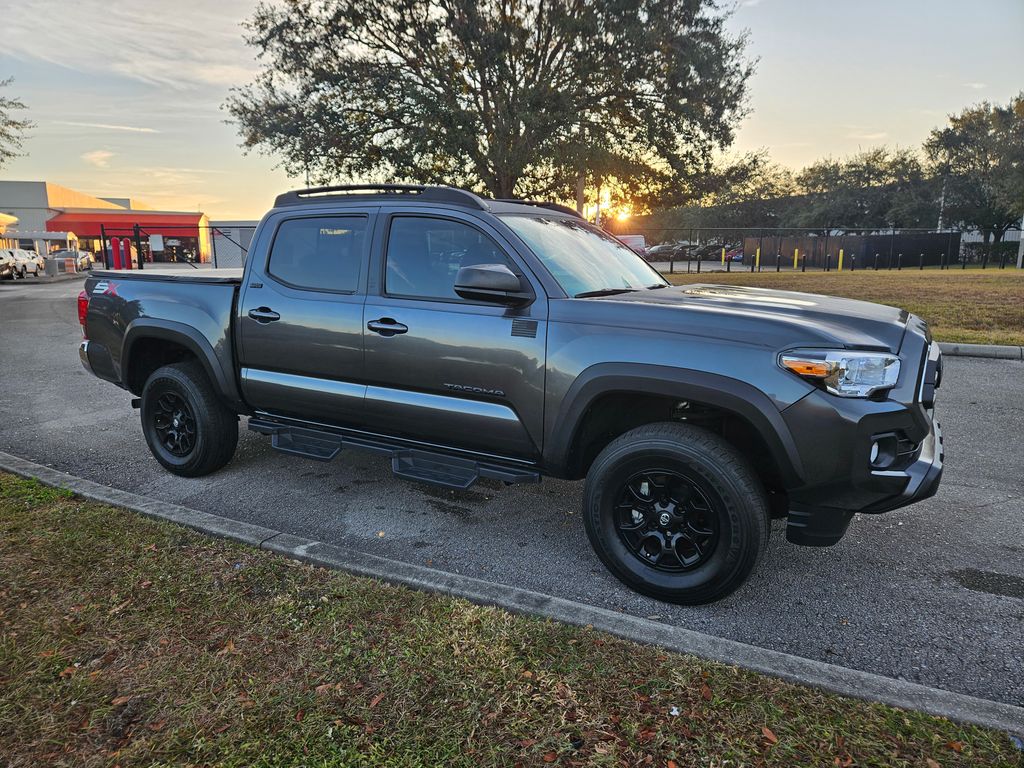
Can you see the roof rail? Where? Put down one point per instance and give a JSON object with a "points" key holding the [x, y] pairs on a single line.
{"points": [[423, 192], [541, 204]]}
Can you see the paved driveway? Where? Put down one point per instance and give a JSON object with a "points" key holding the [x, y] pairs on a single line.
{"points": [[933, 593]]}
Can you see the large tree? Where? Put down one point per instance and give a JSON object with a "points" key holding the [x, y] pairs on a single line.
{"points": [[514, 97], [12, 130], [980, 157], [874, 189]]}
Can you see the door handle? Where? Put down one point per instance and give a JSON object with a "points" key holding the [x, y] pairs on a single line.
{"points": [[264, 315], [386, 327]]}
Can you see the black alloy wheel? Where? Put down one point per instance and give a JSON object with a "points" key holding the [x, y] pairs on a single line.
{"points": [[174, 424], [666, 520]]}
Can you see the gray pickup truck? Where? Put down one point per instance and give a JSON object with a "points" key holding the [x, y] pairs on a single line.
{"points": [[464, 338]]}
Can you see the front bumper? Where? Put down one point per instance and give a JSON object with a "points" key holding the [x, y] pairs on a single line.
{"points": [[835, 438]]}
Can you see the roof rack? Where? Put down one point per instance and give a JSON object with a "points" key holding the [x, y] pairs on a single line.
{"points": [[541, 204], [421, 191]]}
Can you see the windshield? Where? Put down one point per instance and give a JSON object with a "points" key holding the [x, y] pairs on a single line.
{"points": [[582, 258]]}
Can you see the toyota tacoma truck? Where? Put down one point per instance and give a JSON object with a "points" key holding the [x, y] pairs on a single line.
{"points": [[469, 338]]}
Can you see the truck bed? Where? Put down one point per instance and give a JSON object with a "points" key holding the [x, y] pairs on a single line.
{"points": [[233, 276]]}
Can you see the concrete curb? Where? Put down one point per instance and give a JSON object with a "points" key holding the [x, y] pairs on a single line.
{"points": [[817, 674], [995, 351]]}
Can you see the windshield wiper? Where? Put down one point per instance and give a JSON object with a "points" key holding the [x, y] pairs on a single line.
{"points": [[657, 285], [603, 292]]}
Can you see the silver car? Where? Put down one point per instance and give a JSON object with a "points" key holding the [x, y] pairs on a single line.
{"points": [[25, 263]]}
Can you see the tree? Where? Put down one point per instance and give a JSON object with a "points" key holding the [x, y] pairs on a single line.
{"points": [[515, 97], [875, 189], [12, 130], [980, 157]]}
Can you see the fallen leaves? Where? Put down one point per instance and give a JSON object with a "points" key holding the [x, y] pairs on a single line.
{"points": [[705, 692], [119, 607], [769, 735], [228, 649], [376, 700]]}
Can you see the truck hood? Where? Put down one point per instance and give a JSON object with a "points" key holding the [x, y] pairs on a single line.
{"points": [[767, 316]]}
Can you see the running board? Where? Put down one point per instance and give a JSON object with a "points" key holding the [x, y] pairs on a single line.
{"points": [[416, 464]]}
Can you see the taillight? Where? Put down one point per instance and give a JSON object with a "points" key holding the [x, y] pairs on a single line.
{"points": [[83, 309]]}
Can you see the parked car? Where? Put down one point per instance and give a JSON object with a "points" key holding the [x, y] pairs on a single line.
{"points": [[25, 263], [474, 338], [662, 252], [6, 265], [636, 242], [84, 260]]}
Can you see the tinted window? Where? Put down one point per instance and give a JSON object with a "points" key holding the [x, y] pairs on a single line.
{"points": [[424, 256], [324, 252]]}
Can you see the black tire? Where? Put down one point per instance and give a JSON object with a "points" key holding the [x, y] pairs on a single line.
{"points": [[189, 431], [719, 487]]}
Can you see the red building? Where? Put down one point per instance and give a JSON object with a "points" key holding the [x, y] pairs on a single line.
{"points": [[186, 236], [44, 207]]}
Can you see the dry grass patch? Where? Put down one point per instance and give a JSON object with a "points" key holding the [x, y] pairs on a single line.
{"points": [[967, 306]]}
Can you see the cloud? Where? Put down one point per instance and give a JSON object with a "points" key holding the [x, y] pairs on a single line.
{"points": [[749, 3], [108, 126], [196, 45], [100, 158], [976, 86], [867, 135]]}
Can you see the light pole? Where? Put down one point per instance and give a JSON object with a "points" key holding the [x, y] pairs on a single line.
{"points": [[1020, 246]]}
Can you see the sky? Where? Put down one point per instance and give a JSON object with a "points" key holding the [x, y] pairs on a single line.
{"points": [[127, 96]]}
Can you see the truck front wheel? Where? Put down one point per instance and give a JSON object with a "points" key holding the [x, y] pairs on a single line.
{"points": [[675, 512], [189, 431]]}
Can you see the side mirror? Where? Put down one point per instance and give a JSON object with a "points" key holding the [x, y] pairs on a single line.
{"points": [[494, 283]]}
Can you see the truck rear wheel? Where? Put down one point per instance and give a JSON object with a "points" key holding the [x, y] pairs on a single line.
{"points": [[675, 512], [189, 431]]}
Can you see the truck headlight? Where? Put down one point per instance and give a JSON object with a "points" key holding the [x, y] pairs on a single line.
{"points": [[845, 373]]}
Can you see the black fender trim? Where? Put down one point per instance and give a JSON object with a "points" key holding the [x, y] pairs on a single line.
{"points": [[191, 339], [722, 392]]}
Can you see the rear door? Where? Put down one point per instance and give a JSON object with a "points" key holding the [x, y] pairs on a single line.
{"points": [[442, 369], [301, 316]]}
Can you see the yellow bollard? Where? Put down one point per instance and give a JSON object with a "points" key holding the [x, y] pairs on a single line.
{"points": [[757, 260], [723, 257], [796, 255], [840, 259]]}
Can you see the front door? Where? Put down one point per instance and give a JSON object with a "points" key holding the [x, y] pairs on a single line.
{"points": [[301, 319], [442, 369]]}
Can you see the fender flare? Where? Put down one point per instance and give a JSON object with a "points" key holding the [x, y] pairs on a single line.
{"points": [[191, 339], [732, 395]]}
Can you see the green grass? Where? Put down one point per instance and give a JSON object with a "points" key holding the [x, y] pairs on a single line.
{"points": [[129, 642], [966, 306]]}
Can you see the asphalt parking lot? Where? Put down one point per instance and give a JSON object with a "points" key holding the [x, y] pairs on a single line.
{"points": [[933, 593]]}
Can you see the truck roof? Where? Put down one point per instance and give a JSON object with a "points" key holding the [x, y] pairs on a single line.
{"points": [[419, 193]]}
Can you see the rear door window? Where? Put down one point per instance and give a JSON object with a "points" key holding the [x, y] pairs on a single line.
{"points": [[322, 253]]}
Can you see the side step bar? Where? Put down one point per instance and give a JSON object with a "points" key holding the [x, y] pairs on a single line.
{"points": [[409, 463]]}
